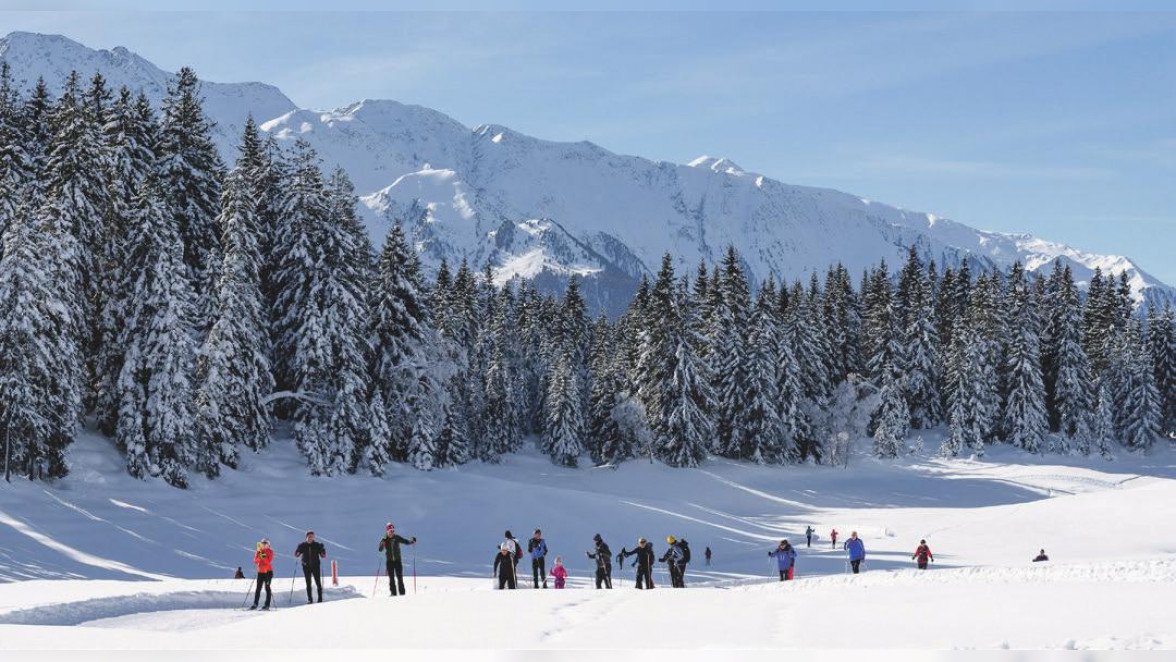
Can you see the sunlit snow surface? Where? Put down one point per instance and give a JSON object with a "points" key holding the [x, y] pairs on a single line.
{"points": [[85, 555]]}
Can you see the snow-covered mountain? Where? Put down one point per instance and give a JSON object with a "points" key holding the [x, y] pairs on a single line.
{"points": [[543, 209]]}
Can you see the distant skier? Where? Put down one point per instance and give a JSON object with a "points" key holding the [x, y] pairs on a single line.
{"points": [[785, 557], [239, 574], [263, 558], [537, 548], [311, 553], [707, 554], [856, 549], [808, 535], [1040, 557], [923, 554], [559, 572], [393, 560], [833, 535], [644, 562], [504, 567], [673, 558], [603, 556]]}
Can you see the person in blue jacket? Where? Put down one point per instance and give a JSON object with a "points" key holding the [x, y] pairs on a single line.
{"points": [[537, 548], [856, 549], [785, 559]]}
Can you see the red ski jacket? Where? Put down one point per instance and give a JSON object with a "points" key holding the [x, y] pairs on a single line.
{"points": [[264, 559], [923, 552]]}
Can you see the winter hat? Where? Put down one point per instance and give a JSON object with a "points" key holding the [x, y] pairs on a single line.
{"points": [[922, 542], [670, 540], [504, 547], [508, 535], [597, 537], [641, 541], [389, 526], [310, 533], [265, 541], [559, 560], [537, 531]]}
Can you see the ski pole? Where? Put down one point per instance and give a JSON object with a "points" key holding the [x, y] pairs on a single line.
{"points": [[377, 584], [247, 592], [293, 579], [414, 568]]}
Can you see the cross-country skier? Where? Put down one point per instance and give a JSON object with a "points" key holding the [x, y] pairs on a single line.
{"points": [[644, 562], [1040, 557], [312, 553], [808, 534], [559, 572], [263, 558], [923, 554], [603, 556], [504, 567], [785, 560], [707, 554], [856, 549], [833, 536], [673, 558], [393, 561], [516, 549], [537, 548]]}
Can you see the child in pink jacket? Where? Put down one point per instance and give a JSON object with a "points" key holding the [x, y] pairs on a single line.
{"points": [[559, 572]]}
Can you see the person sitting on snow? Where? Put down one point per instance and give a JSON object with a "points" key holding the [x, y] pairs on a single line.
{"points": [[1041, 557]]}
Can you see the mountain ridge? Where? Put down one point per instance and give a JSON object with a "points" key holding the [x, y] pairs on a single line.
{"points": [[546, 210]]}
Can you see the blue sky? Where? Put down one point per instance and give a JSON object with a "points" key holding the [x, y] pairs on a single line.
{"points": [[1060, 124]]}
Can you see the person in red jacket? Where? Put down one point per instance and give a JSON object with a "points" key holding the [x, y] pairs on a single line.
{"points": [[833, 535], [923, 554], [263, 558]]}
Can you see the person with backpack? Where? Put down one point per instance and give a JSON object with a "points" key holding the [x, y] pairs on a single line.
{"points": [[856, 549], [923, 554], [833, 535], [537, 549], [707, 554], [559, 572], [785, 557], [685, 547], [808, 534], [603, 556], [516, 549], [393, 560], [673, 558], [644, 562], [504, 567], [312, 553], [263, 558]]}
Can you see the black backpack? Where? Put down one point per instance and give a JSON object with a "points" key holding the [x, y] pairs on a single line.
{"points": [[685, 551]]}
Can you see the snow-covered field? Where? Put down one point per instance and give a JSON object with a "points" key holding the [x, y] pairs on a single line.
{"points": [[103, 561]]}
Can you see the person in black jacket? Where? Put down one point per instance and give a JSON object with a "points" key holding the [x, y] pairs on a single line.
{"points": [[312, 553], [537, 550], [390, 545], [603, 556], [644, 562], [504, 567]]}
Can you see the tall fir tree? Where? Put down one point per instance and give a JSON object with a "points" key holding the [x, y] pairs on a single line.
{"points": [[563, 435], [893, 417]]}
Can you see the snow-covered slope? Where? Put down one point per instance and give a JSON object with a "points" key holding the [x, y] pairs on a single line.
{"points": [[547, 209], [139, 564]]}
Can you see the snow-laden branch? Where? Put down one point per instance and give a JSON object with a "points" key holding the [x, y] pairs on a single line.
{"points": [[312, 398]]}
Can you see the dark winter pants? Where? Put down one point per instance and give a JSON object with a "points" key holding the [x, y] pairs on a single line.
{"points": [[644, 578], [834, 542], [677, 575], [922, 564], [396, 577], [604, 576], [539, 571], [505, 581], [785, 575], [316, 573], [263, 579], [855, 565], [810, 540]]}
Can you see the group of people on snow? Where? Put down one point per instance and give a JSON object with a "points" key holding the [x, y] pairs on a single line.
{"points": [[510, 553]]}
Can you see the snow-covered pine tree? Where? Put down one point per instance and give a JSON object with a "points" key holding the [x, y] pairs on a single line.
{"points": [[40, 365], [1137, 404], [728, 335], [128, 139], [503, 433], [973, 379], [763, 436], [882, 334], [378, 451], [191, 172], [1025, 416], [155, 386], [606, 443], [233, 370], [1161, 341], [893, 417], [38, 130], [15, 165], [920, 360], [563, 434], [1070, 397], [1102, 426]]}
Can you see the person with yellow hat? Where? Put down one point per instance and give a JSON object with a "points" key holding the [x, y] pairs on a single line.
{"points": [[675, 560]]}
